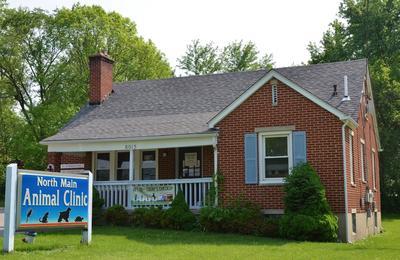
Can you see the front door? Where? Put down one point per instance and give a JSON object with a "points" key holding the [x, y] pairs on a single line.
{"points": [[190, 162]]}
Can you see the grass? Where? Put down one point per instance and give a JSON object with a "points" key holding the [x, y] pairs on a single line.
{"points": [[138, 243]]}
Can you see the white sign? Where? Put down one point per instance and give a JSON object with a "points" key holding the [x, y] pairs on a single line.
{"points": [[73, 166], [38, 199], [190, 159], [153, 195]]}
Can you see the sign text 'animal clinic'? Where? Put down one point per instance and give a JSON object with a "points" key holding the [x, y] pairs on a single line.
{"points": [[48, 201]]}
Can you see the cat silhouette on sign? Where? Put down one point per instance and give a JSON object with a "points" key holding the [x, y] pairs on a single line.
{"points": [[44, 218], [64, 215]]}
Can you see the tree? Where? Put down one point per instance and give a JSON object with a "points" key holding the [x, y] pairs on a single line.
{"points": [[201, 59], [335, 42], [44, 65], [370, 30], [307, 213], [240, 57]]}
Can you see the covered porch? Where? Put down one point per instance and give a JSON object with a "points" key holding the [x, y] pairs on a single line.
{"points": [[143, 173]]}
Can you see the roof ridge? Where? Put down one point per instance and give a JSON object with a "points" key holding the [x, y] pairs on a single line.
{"points": [[320, 64], [192, 76], [235, 72]]}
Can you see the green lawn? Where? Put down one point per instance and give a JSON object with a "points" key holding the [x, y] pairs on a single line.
{"points": [[161, 244]]}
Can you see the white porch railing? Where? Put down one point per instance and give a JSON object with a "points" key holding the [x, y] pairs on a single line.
{"points": [[120, 192]]}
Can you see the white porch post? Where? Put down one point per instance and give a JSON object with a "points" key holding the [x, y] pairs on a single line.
{"points": [[215, 171], [131, 169], [131, 164]]}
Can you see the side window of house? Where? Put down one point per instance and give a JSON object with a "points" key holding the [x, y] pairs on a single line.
{"points": [[363, 162], [373, 169], [123, 166], [103, 167], [276, 156]]}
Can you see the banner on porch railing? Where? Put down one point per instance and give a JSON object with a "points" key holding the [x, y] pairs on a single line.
{"points": [[153, 195]]}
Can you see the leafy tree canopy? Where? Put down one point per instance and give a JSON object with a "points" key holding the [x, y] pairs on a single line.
{"points": [[201, 59], [44, 71], [370, 29]]}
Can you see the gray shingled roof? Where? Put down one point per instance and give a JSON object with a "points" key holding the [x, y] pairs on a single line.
{"points": [[184, 105]]}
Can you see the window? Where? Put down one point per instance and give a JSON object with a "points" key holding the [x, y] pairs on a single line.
{"points": [[274, 95], [148, 165], [373, 169], [122, 166], [103, 167], [351, 157], [376, 219], [275, 162], [354, 222], [363, 161]]}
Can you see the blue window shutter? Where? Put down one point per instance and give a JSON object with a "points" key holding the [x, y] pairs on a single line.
{"points": [[299, 147], [250, 156]]}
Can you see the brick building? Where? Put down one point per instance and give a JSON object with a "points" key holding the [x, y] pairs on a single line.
{"points": [[251, 126]]}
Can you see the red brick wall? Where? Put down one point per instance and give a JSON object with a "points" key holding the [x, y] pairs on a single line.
{"points": [[365, 131], [55, 159], [208, 161], [166, 164], [324, 144], [70, 158], [100, 78]]}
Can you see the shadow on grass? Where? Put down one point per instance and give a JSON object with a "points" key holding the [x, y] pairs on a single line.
{"points": [[45, 241], [168, 236], [389, 217]]}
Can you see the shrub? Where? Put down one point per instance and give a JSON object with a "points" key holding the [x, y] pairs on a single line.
{"points": [[311, 228], [137, 217], [117, 216], [307, 213], [179, 216], [215, 219], [148, 217], [97, 208], [269, 227], [214, 190], [153, 217], [241, 216], [245, 216]]}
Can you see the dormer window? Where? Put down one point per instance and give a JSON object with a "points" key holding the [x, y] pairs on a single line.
{"points": [[274, 95]]}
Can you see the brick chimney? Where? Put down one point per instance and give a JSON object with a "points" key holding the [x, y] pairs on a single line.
{"points": [[100, 66]]}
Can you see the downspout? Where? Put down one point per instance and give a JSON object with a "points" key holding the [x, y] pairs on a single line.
{"points": [[345, 180], [215, 178]]}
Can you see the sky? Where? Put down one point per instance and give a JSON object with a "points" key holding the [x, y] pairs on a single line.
{"points": [[281, 27]]}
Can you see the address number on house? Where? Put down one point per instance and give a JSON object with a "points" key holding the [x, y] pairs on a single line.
{"points": [[130, 146]]}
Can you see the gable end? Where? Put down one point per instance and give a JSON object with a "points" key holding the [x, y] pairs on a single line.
{"points": [[274, 74]]}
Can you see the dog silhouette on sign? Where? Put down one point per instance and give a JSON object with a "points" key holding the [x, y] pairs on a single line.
{"points": [[44, 218], [64, 215]]}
